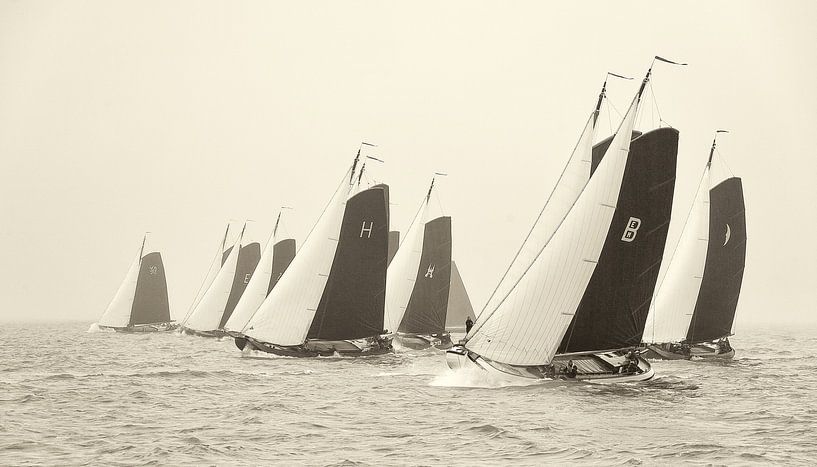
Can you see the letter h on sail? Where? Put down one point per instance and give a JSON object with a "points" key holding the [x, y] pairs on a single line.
{"points": [[367, 230]]}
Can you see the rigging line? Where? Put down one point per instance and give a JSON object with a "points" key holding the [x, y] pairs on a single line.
{"points": [[723, 161], [479, 324]]}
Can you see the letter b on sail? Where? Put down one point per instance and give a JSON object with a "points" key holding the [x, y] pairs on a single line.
{"points": [[632, 229], [366, 230]]}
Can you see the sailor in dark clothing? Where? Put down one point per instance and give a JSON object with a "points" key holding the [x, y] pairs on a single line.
{"points": [[632, 361], [571, 369], [468, 325]]}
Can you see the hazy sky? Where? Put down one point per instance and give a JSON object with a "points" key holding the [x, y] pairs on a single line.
{"points": [[175, 117]]}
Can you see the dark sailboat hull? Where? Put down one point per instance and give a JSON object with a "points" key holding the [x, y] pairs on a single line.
{"points": [[377, 345], [663, 352], [601, 367], [420, 342], [216, 333]]}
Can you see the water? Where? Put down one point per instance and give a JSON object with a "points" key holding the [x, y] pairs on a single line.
{"points": [[72, 397]]}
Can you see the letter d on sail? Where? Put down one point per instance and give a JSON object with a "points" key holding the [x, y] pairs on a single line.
{"points": [[367, 230], [632, 229]]}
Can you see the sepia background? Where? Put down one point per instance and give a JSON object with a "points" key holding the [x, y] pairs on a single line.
{"points": [[118, 118]]}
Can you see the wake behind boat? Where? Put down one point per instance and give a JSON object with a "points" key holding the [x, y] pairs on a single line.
{"points": [[141, 303], [331, 298], [694, 308]]}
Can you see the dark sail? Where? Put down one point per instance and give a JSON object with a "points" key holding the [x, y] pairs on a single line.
{"points": [[283, 253], [225, 254], [459, 304], [394, 242], [613, 310], [248, 257], [428, 305], [725, 258], [354, 297], [150, 304]]}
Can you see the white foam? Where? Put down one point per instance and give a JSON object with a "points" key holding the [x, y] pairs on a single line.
{"points": [[473, 377], [93, 328]]}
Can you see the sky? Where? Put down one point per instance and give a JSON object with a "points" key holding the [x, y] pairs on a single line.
{"points": [[118, 118]]}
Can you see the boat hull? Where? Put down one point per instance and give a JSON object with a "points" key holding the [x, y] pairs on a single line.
{"points": [[216, 333], [603, 367], [424, 341], [143, 328], [323, 348], [663, 352], [710, 351]]}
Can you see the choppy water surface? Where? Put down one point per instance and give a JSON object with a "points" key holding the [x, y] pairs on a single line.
{"points": [[68, 396]]}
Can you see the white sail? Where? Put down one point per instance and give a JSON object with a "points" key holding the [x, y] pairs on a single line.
{"points": [[529, 321], [117, 314], [215, 266], [402, 272], [256, 290], [286, 314], [207, 314], [674, 300], [571, 183]]}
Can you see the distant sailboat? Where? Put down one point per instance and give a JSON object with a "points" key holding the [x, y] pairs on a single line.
{"points": [[694, 307], [518, 333], [331, 298], [141, 304], [215, 304], [418, 283], [275, 259]]}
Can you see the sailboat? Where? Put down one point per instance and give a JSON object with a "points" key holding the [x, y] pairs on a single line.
{"points": [[215, 304], [418, 282], [694, 307], [519, 331], [331, 298], [141, 304], [276, 257], [459, 303]]}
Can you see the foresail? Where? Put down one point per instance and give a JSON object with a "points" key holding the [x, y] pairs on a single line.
{"points": [[530, 319], [676, 294], [286, 314], [571, 183], [118, 312], [206, 316]]}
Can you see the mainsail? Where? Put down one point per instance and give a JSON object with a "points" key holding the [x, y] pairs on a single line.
{"points": [[352, 303], [533, 311], [615, 304], [725, 259], [142, 296], [218, 261], [428, 304]]}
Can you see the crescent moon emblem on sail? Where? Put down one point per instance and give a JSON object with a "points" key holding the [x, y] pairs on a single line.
{"points": [[728, 234]]}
